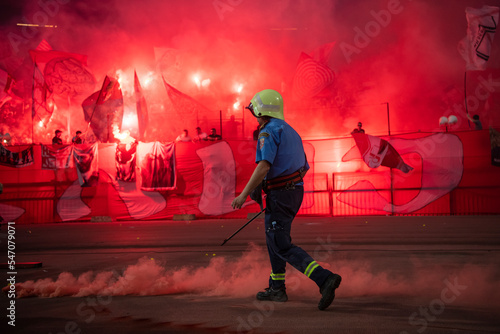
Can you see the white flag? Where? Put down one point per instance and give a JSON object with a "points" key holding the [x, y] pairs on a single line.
{"points": [[476, 46]]}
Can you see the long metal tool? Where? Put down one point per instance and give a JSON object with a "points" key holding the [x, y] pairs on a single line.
{"points": [[251, 220]]}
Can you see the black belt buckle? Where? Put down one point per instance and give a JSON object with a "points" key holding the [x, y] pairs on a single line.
{"points": [[290, 185]]}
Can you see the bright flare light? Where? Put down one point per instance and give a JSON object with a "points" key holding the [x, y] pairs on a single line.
{"points": [[149, 79], [201, 83], [124, 137], [129, 120], [236, 105], [238, 88], [205, 83], [196, 80], [125, 81]]}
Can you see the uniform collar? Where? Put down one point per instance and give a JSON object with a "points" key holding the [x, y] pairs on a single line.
{"points": [[264, 125]]}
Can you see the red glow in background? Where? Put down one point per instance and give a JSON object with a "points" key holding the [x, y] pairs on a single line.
{"points": [[221, 52]]}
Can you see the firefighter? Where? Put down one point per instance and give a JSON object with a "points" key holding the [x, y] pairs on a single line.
{"points": [[281, 166]]}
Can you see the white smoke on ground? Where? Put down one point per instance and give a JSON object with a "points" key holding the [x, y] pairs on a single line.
{"points": [[470, 285]]}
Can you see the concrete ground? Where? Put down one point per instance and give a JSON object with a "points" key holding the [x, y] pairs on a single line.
{"points": [[400, 275]]}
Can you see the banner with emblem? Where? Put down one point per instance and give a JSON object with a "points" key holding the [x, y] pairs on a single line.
{"points": [[56, 157], [125, 161], [377, 151], [16, 159], [86, 164], [157, 162]]}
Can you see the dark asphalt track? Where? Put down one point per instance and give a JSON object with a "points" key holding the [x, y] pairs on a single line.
{"points": [[400, 275]]}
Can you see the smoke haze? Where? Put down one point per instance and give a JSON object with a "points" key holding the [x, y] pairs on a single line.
{"points": [[471, 284], [221, 52]]}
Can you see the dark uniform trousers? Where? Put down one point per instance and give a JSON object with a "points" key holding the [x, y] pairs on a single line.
{"points": [[281, 207]]}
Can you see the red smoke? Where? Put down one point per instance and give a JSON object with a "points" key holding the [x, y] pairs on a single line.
{"points": [[400, 52], [471, 284]]}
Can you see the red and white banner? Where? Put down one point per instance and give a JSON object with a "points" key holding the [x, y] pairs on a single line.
{"points": [[219, 178], [157, 163], [86, 164], [452, 175], [441, 158], [377, 151], [57, 157], [126, 161]]}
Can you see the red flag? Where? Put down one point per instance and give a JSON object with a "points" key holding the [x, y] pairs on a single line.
{"points": [[42, 105], [322, 53], [43, 57], [142, 108], [14, 88], [377, 151], [107, 90], [11, 105], [311, 77], [6, 82], [104, 110], [9, 85], [65, 73], [185, 104], [43, 46]]}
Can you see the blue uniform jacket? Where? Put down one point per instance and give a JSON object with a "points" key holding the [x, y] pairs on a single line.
{"points": [[281, 146]]}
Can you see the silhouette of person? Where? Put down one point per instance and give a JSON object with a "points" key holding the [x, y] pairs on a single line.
{"points": [[359, 129], [213, 136], [477, 123], [183, 137], [200, 135], [77, 139], [57, 138]]}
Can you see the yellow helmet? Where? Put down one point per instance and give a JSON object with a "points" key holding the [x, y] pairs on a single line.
{"points": [[267, 103]]}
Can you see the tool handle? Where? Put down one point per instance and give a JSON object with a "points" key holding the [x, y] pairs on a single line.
{"points": [[251, 220]]}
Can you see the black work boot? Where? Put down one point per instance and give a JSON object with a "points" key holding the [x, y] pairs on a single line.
{"points": [[327, 291], [273, 295]]}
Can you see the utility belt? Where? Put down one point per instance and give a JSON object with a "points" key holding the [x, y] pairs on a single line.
{"points": [[287, 182]]}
